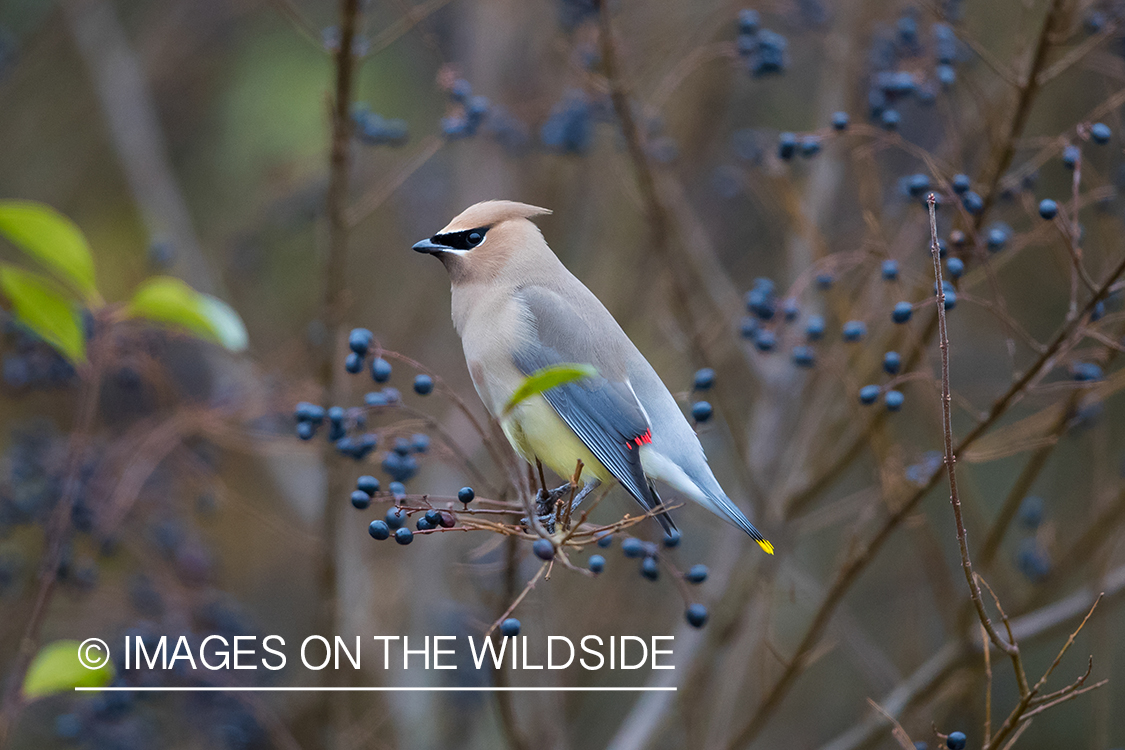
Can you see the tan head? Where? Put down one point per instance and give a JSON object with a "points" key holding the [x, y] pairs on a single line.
{"points": [[485, 238]]}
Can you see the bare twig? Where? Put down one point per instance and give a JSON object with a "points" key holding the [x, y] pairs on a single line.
{"points": [[512, 607], [1009, 648]]}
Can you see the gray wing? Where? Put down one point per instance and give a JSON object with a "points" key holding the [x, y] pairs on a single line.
{"points": [[602, 411]]}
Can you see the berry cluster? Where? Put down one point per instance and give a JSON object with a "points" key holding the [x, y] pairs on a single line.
{"points": [[765, 51]]}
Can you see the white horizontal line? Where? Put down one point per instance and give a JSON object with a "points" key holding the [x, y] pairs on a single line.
{"points": [[375, 689]]}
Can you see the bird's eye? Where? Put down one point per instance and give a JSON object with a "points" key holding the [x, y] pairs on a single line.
{"points": [[475, 238]]}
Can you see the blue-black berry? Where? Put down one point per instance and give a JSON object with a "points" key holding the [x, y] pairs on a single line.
{"points": [[955, 267], [701, 411], [380, 370], [972, 202], [890, 270], [696, 574], [633, 547], [815, 328], [404, 535], [786, 145], [803, 356], [765, 341], [917, 184], [1031, 511], [596, 563], [890, 119], [423, 384], [748, 21], [650, 569], [379, 530], [998, 236], [894, 400], [902, 312], [359, 341], [353, 363], [962, 184], [424, 524], [892, 363], [396, 517], [543, 549], [790, 310], [1071, 155], [704, 379], [1086, 372], [1048, 209], [306, 412], [466, 495], [605, 540], [854, 330], [840, 121], [672, 539], [510, 627], [306, 430], [696, 615], [748, 329], [956, 741], [868, 394], [368, 484], [361, 500], [1100, 133]]}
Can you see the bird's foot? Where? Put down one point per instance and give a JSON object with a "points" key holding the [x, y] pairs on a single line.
{"points": [[547, 503], [546, 500]]}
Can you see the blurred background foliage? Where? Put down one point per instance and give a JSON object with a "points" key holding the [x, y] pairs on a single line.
{"points": [[191, 137]]}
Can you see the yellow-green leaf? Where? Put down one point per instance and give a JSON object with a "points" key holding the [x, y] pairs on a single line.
{"points": [[225, 322], [547, 378], [51, 239], [45, 309], [57, 668], [171, 302]]}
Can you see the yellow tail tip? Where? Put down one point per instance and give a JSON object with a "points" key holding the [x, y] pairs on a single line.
{"points": [[765, 545]]}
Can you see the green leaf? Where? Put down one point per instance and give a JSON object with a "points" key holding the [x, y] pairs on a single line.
{"points": [[547, 378], [226, 323], [40, 305], [57, 668], [53, 240], [171, 302]]}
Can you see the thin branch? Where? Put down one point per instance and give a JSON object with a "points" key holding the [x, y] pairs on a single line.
{"points": [[512, 608], [1063, 699], [1009, 648]]}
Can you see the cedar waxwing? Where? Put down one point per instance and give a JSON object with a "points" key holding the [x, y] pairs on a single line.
{"points": [[518, 310]]}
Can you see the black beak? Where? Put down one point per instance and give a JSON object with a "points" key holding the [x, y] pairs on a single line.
{"points": [[428, 246]]}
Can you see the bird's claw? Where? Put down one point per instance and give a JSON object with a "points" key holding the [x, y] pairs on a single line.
{"points": [[546, 502]]}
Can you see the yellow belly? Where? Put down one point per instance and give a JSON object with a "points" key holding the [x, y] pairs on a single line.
{"points": [[535, 430]]}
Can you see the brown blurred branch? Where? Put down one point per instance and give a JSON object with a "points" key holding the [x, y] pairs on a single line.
{"points": [[130, 113], [57, 532], [333, 313]]}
